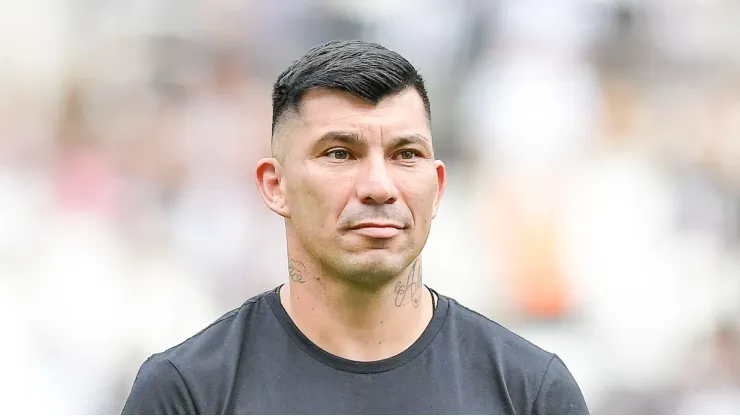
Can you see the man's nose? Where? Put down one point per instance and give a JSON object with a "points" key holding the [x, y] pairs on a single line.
{"points": [[376, 185]]}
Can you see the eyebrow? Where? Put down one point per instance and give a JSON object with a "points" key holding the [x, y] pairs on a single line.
{"points": [[353, 138], [346, 137]]}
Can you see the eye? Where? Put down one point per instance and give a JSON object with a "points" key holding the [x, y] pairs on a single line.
{"points": [[407, 154], [338, 154]]}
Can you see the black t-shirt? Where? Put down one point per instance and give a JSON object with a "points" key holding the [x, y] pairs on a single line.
{"points": [[254, 360]]}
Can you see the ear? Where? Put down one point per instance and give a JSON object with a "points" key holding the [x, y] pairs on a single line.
{"points": [[441, 184], [269, 178]]}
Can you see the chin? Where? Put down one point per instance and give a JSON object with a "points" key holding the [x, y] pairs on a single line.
{"points": [[373, 268]]}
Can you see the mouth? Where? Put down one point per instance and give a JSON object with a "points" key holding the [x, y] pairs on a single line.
{"points": [[377, 230]]}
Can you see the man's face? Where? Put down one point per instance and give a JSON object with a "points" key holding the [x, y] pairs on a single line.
{"points": [[360, 182]]}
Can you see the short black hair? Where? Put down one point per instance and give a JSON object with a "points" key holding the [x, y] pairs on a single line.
{"points": [[364, 69]]}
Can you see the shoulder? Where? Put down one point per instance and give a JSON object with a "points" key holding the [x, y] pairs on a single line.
{"points": [[537, 381], [159, 389], [219, 336], [494, 340], [174, 379]]}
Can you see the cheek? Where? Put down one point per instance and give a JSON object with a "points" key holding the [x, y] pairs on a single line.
{"points": [[321, 200], [420, 193]]}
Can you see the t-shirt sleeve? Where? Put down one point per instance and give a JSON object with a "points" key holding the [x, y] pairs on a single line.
{"points": [[159, 389], [559, 393]]}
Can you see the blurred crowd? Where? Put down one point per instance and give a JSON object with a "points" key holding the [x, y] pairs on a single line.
{"points": [[593, 149]]}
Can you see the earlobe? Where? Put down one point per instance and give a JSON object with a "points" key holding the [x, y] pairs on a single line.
{"points": [[268, 177]]}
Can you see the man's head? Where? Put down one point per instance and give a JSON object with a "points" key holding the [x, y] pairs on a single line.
{"points": [[353, 169]]}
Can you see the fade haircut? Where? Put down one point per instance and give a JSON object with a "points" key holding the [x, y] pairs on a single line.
{"points": [[364, 69]]}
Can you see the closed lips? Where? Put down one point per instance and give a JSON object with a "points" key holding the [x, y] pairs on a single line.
{"points": [[375, 225]]}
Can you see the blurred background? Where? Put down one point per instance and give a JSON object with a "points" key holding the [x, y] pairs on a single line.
{"points": [[593, 204]]}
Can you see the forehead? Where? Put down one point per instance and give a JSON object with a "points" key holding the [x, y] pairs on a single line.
{"points": [[325, 110]]}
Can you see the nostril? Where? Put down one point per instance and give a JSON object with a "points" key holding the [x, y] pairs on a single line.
{"points": [[373, 200]]}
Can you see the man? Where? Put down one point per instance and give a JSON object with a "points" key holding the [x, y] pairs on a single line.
{"points": [[354, 331]]}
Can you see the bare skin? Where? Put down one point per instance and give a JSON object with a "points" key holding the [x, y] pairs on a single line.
{"points": [[358, 187]]}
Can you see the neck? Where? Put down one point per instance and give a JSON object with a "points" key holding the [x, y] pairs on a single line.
{"points": [[354, 321]]}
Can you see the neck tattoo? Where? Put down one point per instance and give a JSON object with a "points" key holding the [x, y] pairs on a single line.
{"points": [[410, 288], [296, 270]]}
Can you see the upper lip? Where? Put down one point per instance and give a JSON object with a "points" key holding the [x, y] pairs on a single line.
{"points": [[374, 224]]}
